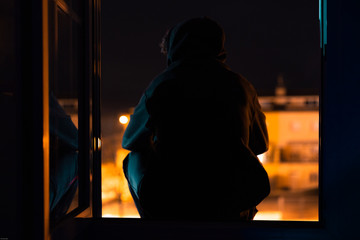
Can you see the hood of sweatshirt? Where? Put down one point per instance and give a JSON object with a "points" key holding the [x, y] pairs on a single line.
{"points": [[196, 38]]}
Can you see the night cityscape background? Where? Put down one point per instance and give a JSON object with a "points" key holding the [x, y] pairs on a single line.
{"points": [[263, 39]]}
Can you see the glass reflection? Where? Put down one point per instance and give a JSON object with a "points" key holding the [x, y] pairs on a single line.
{"points": [[63, 157], [67, 73]]}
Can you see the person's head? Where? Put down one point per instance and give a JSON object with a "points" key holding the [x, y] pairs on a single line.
{"points": [[194, 38]]}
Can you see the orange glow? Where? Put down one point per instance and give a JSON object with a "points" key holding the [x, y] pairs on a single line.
{"points": [[123, 119], [261, 157], [116, 197], [97, 143], [46, 112], [270, 216], [291, 164]]}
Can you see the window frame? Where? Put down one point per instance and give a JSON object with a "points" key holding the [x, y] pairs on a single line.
{"points": [[333, 174]]}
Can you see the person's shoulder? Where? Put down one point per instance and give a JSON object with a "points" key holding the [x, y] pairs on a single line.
{"points": [[163, 80], [240, 81], [158, 80], [245, 82]]}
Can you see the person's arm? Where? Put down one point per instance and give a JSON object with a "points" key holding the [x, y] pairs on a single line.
{"points": [[137, 135]]}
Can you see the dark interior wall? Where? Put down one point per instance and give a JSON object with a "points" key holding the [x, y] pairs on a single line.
{"points": [[21, 118], [8, 165], [340, 120]]}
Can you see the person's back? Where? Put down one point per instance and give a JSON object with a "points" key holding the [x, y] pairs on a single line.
{"points": [[205, 121]]}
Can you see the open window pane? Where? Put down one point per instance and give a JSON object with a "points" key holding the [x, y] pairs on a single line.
{"points": [[69, 110]]}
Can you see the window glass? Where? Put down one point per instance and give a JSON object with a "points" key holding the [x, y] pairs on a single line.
{"points": [[67, 73]]}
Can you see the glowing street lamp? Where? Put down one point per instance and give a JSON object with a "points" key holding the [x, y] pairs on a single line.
{"points": [[123, 119]]}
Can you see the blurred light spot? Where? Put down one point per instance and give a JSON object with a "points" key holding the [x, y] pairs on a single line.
{"points": [[123, 119], [111, 216], [261, 158], [271, 215], [97, 144]]}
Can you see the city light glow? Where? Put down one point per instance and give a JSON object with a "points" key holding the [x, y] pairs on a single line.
{"points": [[269, 216], [123, 119], [291, 164], [261, 157]]}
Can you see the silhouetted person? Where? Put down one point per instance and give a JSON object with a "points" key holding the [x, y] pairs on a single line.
{"points": [[195, 134]]}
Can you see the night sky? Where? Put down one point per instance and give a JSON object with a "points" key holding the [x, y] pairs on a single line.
{"points": [[263, 39]]}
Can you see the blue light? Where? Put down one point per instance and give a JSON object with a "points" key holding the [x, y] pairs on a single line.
{"points": [[323, 24]]}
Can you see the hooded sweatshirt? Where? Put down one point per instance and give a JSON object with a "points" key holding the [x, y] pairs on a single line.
{"points": [[204, 127]]}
